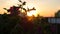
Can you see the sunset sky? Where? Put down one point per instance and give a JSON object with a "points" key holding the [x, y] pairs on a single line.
{"points": [[43, 7]]}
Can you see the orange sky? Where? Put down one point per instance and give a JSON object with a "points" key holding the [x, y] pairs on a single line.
{"points": [[43, 7]]}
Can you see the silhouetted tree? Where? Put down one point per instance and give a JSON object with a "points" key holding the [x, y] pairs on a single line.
{"points": [[20, 25], [57, 14]]}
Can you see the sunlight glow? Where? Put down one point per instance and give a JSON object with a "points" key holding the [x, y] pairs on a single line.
{"points": [[31, 13]]}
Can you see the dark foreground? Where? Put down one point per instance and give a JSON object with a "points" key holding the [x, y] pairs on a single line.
{"points": [[19, 25]]}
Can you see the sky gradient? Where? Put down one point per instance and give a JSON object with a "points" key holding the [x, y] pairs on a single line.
{"points": [[43, 7]]}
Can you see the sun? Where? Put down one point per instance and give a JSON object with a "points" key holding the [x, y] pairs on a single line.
{"points": [[31, 13]]}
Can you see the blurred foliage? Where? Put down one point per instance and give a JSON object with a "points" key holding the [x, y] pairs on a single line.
{"points": [[18, 25], [57, 14], [14, 24]]}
